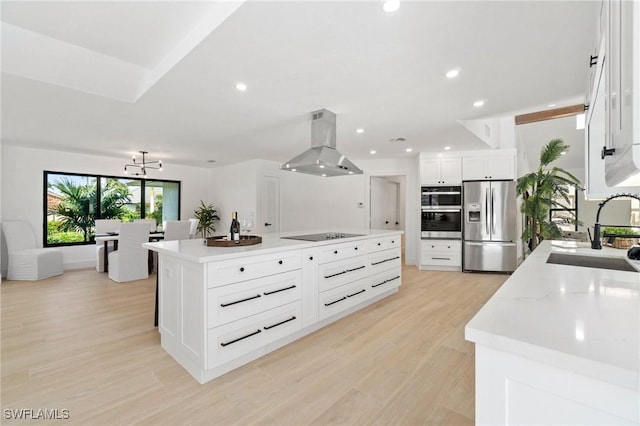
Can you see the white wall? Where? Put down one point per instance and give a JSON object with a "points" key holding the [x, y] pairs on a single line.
{"points": [[22, 188]]}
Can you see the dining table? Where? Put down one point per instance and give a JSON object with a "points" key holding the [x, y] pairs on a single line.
{"points": [[114, 237]]}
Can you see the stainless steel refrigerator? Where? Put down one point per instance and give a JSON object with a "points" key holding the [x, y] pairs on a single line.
{"points": [[489, 229]]}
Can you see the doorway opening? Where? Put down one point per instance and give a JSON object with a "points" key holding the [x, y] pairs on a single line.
{"points": [[387, 195]]}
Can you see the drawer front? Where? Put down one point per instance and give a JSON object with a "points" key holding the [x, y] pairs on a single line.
{"points": [[384, 281], [235, 301], [452, 247], [247, 268], [383, 243], [384, 260], [341, 251], [238, 338], [340, 298], [438, 259], [334, 274]]}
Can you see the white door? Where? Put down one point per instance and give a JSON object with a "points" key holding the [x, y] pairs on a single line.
{"points": [[269, 204], [384, 206]]}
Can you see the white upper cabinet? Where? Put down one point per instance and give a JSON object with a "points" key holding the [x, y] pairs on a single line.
{"points": [[441, 171], [488, 168], [622, 82]]}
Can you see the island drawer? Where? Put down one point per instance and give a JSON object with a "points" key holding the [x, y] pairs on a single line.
{"points": [[235, 301], [337, 273], [247, 268], [383, 281], [340, 298], [238, 338], [383, 243], [341, 251], [384, 260]]}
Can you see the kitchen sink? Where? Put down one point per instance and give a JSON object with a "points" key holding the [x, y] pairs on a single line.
{"points": [[616, 263]]}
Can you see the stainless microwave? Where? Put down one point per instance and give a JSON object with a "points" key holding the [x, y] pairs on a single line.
{"points": [[438, 197]]}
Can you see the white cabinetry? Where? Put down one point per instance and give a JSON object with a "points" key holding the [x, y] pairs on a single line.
{"points": [[440, 171], [443, 255], [488, 168], [622, 82]]}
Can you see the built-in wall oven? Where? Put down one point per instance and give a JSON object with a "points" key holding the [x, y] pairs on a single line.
{"points": [[441, 212]]}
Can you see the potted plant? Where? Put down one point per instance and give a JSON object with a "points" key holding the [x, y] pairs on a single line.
{"points": [[207, 216], [540, 191]]}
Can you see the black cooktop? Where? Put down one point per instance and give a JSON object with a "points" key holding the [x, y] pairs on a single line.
{"points": [[322, 237]]}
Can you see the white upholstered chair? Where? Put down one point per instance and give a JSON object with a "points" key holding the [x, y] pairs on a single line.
{"points": [[104, 226], [26, 261], [176, 230], [150, 222], [129, 262], [193, 229]]}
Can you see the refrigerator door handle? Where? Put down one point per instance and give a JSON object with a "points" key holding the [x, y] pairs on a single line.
{"points": [[486, 210], [493, 212]]}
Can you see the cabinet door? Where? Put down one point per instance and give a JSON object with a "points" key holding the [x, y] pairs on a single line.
{"points": [[473, 168], [500, 168], [451, 171], [430, 171]]}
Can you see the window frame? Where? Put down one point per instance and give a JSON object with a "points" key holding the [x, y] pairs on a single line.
{"points": [[98, 214], [573, 210]]}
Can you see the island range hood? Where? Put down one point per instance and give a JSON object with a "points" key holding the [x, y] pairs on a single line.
{"points": [[322, 159]]}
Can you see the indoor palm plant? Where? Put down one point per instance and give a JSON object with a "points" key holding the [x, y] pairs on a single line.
{"points": [[540, 191], [207, 216]]}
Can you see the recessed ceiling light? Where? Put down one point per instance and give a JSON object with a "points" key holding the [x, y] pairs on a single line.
{"points": [[452, 73], [360, 130], [551, 105], [321, 166], [324, 175], [409, 149], [294, 170], [391, 5], [241, 86], [447, 148], [350, 173], [478, 104], [373, 151]]}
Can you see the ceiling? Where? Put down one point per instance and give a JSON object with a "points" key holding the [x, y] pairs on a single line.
{"points": [[112, 78]]}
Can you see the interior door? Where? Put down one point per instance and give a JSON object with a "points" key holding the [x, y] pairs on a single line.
{"points": [[385, 203], [269, 204]]}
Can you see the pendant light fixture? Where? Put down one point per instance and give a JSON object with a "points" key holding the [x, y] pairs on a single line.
{"points": [[143, 165]]}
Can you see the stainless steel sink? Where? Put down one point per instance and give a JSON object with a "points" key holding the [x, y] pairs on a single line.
{"points": [[616, 263]]}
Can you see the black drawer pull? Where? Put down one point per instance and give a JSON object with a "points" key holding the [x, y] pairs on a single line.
{"points": [[224, 305], [335, 252], [335, 275], [335, 301], [441, 258], [266, 293], [240, 338], [279, 262], [268, 327], [355, 269], [310, 257], [393, 241], [242, 269], [379, 243], [355, 248], [385, 281], [385, 260], [356, 293]]}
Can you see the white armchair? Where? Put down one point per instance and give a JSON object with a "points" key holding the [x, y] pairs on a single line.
{"points": [[104, 226], [129, 262], [193, 229], [176, 230], [26, 262]]}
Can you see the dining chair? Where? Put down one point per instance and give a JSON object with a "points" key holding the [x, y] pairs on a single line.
{"points": [[104, 226], [26, 261], [193, 229], [129, 262], [177, 230], [150, 222]]}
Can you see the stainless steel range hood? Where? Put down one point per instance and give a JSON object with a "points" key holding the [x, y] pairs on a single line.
{"points": [[322, 159]]}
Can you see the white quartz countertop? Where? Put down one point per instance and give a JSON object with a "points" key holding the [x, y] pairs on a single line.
{"points": [[196, 251], [580, 319]]}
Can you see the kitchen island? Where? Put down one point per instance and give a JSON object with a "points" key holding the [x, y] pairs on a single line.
{"points": [[222, 307], [560, 344]]}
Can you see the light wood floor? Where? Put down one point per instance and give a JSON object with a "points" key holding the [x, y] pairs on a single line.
{"points": [[86, 344]]}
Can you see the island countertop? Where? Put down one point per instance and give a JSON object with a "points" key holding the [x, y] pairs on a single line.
{"points": [[196, 251], [580, 319]]}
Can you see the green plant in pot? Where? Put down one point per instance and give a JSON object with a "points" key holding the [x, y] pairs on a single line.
{"points": [[540, 191], [207, 217]]}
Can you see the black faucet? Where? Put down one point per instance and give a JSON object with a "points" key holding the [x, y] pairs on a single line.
{"points": [[596, 244]]}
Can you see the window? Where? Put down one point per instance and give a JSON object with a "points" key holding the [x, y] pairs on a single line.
{"points": [[565, 212], [72, 203], [635, 212]]}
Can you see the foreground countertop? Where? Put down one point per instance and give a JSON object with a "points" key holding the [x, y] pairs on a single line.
{"points": [[584, 320], [196, 251]]}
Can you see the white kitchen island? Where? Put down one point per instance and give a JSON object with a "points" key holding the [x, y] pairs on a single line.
{"points": [[222, 307], [560, 344]]}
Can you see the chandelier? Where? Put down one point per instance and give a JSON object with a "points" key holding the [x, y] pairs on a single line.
{"points": [[143, 165]]}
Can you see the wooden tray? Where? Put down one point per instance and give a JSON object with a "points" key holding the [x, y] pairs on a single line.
{"points": [[244, 241]]}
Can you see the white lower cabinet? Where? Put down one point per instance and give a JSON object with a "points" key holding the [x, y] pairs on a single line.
{"points": [[343, 297], [445, 255]]}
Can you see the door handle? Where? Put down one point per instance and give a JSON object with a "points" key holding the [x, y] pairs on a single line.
{"points": [[267, 224], [493, 212], [386, 222], [486, 210]]}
